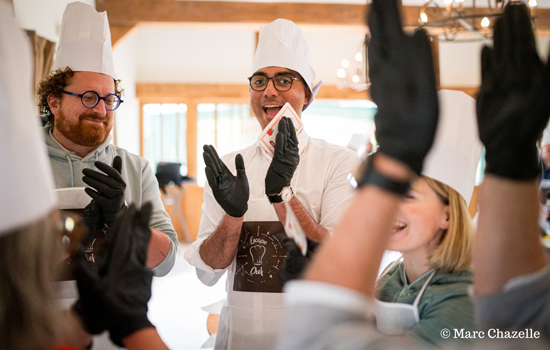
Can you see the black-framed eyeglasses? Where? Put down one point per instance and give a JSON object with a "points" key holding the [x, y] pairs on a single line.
{"points": [[90, 99], [282, 83]]}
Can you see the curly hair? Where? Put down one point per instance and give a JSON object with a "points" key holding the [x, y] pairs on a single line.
{"points": [[54, 86]]}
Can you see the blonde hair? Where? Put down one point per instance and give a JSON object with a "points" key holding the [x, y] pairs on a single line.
{"points": [[454, 252], [28, 259]]}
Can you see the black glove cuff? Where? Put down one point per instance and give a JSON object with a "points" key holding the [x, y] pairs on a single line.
{"points": [[515, 166], [370, 176], [88, 325], [126, 328]]}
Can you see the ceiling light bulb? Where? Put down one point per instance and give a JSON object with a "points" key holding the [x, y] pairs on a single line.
{"points": [[533, 3], [359, 57], [69, 224], [341, 73], [345, 63], [485, 22], [448, 2], [423, 17], [355, 79]]}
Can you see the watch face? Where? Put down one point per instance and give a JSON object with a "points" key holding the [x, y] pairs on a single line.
{"points": [[286, 194]]}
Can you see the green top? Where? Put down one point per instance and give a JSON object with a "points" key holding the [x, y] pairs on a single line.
{"points": [[444, 304]]}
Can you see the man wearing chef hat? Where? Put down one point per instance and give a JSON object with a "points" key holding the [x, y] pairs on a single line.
{"points": [[241, 229], [79, 100]]}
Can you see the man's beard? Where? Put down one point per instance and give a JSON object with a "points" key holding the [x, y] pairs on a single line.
{"points": [[81, 133]]}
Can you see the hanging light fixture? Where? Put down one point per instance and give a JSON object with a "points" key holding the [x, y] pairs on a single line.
{"points": [[354, 75], [454, 17]]}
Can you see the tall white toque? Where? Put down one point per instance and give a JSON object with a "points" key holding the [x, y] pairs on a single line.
{"points": [[85, 41], [26, 186], [456, 150], [282, 44]]}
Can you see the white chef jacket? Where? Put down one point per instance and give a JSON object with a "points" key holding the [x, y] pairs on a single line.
{"points": [[321, 184]]}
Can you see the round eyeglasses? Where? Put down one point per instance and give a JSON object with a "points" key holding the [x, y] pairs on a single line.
{"points": [[90, 99], [282, 83]]}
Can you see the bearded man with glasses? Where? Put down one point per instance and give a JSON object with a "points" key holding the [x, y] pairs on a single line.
{"points": [[79, 99], [241, 229]]}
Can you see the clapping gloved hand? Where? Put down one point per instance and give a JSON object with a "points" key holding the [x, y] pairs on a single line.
{"points": [[513, 103], [115, 296], [285, 161], [403, 88], [231, 192], [106, 189], [295, 263]]}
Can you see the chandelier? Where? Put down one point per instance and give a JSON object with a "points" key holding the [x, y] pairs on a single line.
{"points": [[354, 74], [453, 17]]}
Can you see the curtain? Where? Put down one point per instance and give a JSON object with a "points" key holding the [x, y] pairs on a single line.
{"points": [[43, 51]]}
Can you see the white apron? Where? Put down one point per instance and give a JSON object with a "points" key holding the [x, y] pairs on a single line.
{"points": [[398, 318], [252, 315]]}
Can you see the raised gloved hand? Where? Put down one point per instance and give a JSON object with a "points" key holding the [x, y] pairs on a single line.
{"points": [[295, 263], [285, 159], [513, 103], [115, 295], [403, 87], [108, 190], [231, 192]]}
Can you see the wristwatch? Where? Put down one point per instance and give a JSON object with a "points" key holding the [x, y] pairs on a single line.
{"points": [[284, 196]]}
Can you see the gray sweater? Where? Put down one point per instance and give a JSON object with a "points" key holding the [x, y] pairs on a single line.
{"points": [[141, 183]]}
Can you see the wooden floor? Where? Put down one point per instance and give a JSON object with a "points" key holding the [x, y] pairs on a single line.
{"points": [[175, 307]]}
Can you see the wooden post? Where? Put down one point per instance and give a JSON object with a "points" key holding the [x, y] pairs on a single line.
{"points": [[192, 139], [434, 43], [141, 128]]}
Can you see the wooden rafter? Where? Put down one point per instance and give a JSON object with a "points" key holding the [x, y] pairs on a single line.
{"points": [[126, 14]]}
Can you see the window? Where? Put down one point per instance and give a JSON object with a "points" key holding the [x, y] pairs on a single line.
{"points": [[228, 127], [165, 134], [337, 121]]}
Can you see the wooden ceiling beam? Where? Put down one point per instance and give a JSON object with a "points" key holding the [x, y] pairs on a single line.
{"points": [[174, 93], [204, 92], [126, 14], [130, 12]]}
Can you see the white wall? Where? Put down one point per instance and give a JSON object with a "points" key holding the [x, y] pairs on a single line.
{"points": [[183, 55], [43, 16], [127, 115]]}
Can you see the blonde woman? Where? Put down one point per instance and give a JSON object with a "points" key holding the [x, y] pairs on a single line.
{"points": [[427, 290]]}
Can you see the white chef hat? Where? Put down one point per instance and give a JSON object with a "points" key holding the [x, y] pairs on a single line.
{"points": [[26, 186], [85, 41], [456, 150], [546, 136], [282, 44]]}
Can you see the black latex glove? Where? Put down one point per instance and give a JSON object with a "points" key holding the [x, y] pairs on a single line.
{"points": [[513, 103], [108, 190], [285, 160], [295, 263], [231, 192], [116, 294], [403, 87]]}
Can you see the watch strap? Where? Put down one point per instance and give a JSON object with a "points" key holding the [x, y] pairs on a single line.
{"points": [[275, 198], [371, 176]]}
